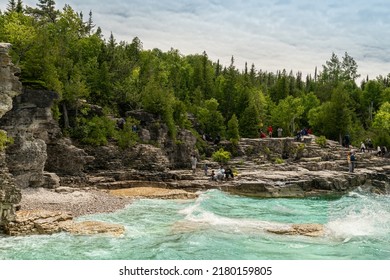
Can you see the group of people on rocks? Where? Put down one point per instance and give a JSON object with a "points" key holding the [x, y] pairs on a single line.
{"points": [[368, 146], [269, 131], [220, 175], [303, 132]]}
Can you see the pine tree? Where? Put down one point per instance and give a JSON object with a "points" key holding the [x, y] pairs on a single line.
{"points": [[46, 9], [11, 6], [233, 133], [19, 6]]}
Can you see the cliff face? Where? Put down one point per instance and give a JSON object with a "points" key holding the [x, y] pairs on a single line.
{"points": [[9, 88]]}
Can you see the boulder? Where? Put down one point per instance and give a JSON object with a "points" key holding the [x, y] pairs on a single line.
{"points": [[312, 230], [92, 228]]}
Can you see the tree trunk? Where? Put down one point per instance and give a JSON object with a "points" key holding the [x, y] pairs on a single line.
{"points": [[66, 118]]}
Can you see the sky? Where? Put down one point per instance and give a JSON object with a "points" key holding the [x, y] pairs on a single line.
{"points": [[296, 35]]}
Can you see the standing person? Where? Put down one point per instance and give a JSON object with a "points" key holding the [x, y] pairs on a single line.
{"points": [[362, 147], [205, 168], [194, 161], [349, 161], [280, 131], [269, 129], [352, 159]]}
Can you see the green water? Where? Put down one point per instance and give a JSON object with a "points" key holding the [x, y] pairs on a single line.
{"points": [[219, 226]]}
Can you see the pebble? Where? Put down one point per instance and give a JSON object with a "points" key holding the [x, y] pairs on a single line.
{"points": [[79, 203]]}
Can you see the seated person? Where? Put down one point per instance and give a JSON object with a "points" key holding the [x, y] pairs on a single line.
{"points": [[229, 173], [213, 177], [220, 174]]}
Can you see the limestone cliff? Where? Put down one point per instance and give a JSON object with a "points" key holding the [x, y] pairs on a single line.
{"points": [[9, 88]]}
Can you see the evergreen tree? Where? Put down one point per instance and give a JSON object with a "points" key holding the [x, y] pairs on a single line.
{"points": [[11, 6], [349, 68], [331, 71], [19, 6], [233, 133]]}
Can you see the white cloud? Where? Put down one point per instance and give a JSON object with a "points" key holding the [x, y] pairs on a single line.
{"points": [[290, 34]]}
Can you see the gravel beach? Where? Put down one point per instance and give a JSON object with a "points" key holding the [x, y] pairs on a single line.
{"points": [[76, 201]]}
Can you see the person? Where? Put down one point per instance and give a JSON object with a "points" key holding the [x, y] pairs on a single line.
{"points": [[352, 159], [205, 168], [378, 151], [194, 161], [349, 161], [369, 144], [269, 129], [280, 132], [229, 173], [362, 147], [298, 136], [217, 139], [121, 123], [212, 176], [346, 141], [262, 134], [220, 174]]}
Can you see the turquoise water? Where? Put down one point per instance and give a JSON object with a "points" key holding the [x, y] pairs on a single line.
{"points": [[219, 226]]}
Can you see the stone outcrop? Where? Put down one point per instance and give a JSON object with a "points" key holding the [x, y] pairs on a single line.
{"points": [[93, 227], [30, 222], [10, 87], [312, 230], [36, 222], [150, 192], [38, 142], [10, 195], [9, 83]]}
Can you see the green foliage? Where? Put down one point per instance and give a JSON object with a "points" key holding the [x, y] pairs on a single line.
{"points": [[382, 118], [279, 161], [96, 131], [292, 109], [210, 119], [321, 141], [59, 50], [233, 133], [127, 137], [221, 156], [5, 140]]}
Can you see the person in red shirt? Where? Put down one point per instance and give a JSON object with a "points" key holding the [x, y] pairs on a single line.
{"points": [[269, 129]]}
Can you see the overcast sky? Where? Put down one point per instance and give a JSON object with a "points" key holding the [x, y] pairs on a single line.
{"points": [[294, 35]]}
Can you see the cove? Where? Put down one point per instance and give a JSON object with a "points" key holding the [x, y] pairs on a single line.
{"points": [[221, 226]]}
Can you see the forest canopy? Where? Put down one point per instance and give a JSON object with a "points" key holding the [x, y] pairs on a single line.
{"points": [[64, 51]]}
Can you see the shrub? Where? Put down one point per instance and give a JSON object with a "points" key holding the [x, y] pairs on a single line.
{"points": [[5, 140], [221, 156], [321, 141], [127, 137], [95, 131], [279, 161]]}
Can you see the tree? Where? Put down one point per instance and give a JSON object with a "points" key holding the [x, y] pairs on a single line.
{"points": [[382, 118], [233, 133], [11, 6], [287, 113], [349, 68], [331, 71], [333, 118], [47, 10], [210, 119]]}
